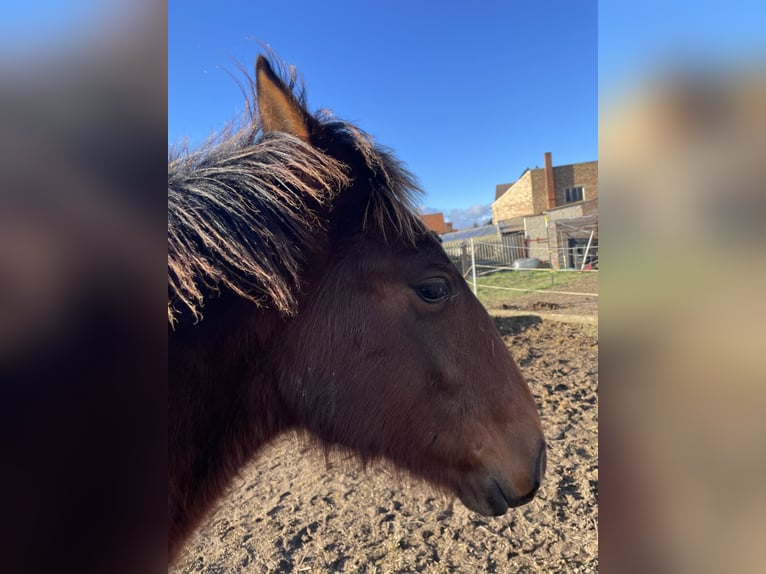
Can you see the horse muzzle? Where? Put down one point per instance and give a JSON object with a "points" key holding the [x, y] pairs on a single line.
{"points": [[492, 494]]}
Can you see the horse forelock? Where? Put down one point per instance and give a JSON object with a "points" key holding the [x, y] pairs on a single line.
{"points": [[243, 207]]}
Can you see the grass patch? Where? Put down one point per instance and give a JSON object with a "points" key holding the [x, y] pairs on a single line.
{"points": [[527, 280]]}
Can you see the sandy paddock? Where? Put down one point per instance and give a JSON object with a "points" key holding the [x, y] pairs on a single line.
{"points": [[294, 511]]}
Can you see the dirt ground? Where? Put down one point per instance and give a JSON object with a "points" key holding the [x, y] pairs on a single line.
{"points": [[293, 511], [559, 303]]}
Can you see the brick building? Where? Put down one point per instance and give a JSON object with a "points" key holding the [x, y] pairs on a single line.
{"points": [[554, 210], [545, 188], [435, 222]]}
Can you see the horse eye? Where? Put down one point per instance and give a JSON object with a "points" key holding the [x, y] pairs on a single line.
{"points": [[434, 291]]}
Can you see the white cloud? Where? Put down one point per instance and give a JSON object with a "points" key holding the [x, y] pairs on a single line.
{"points": [[464, 218]]}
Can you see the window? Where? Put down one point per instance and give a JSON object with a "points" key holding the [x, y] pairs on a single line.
{"points": [[573, 194]]}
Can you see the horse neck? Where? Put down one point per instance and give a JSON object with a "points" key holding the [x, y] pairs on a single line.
{"points": [[223, 404]]}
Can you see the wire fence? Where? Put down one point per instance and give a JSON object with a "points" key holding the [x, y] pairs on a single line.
{"points": [[478, 260]]}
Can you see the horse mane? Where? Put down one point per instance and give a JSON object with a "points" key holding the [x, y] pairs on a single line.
{"points": [[244, 208]]}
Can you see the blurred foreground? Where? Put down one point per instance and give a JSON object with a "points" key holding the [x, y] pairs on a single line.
{"points": [[82, 288], [682, 330]]}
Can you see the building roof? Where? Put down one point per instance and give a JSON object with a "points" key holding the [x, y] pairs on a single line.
{"points": [[501, 188], [512, 224], [586, 202], [473, 232]]}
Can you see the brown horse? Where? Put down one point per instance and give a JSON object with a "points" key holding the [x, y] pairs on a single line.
{"points": [[328, 308]]}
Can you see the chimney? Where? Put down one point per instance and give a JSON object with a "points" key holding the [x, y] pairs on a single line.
{"points": [[549, 187]]}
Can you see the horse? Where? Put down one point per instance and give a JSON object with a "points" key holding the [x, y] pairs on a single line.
{"points": [[306, 294]]}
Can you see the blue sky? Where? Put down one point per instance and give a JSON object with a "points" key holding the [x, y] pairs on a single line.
{"points": [[468, 94], [638, 40]]}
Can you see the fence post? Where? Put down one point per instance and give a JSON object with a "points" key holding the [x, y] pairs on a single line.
{"points": [[463, 259], [550, 249], [473, 266], [585, 256]]}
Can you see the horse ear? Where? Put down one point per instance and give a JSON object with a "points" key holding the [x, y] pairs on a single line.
{"points": [[279, 109]]}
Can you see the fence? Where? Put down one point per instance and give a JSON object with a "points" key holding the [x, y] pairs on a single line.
{"points": [[477, 259], [489, 251]]}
